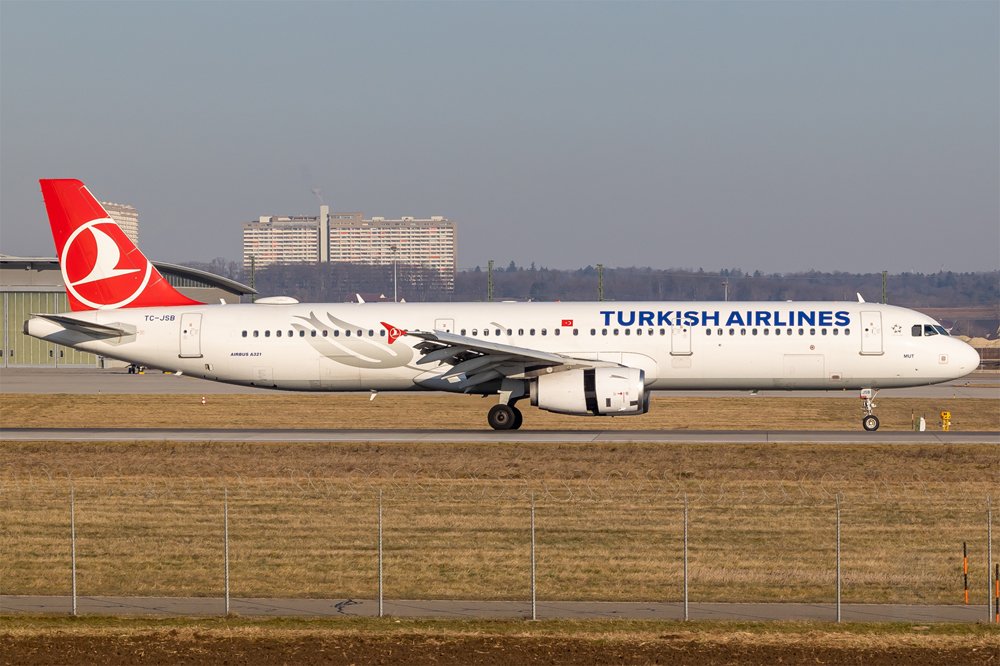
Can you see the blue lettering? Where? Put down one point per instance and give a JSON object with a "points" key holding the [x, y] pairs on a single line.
{"points": [[707, 317], [777, 319], [825, 318], [663, 318], [807, 318], [763, 319], [645, 318], [735, 319], [607, 316], [621, 318], [843, 319], [690, 318]]}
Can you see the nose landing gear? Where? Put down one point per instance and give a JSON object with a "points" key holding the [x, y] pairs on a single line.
{"points": [[869, 421]]}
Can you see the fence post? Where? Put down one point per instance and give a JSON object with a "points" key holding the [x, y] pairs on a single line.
{"points": [[72, 539], [838, 557], [380, 552], [225, 539], [534, 609], [686, 615], [989, 554]]}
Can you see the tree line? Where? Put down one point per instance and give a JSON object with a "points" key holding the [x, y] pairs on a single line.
{"points": [[335, 282]]}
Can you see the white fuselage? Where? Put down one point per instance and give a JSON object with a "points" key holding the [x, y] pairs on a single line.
{"points": [[690, 345]]}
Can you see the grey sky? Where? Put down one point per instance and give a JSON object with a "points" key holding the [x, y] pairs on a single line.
{"points": [[779, 136]]}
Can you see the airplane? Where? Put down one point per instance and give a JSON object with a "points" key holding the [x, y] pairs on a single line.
{"points": [[587, 359]]}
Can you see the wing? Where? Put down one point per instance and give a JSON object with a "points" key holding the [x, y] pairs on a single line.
{"points": [[476, 361]]}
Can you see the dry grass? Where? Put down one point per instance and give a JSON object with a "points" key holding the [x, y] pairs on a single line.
{"points": [[98, 640], [303, 519], [450, 412]]}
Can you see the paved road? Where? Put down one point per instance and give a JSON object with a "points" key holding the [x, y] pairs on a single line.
{"points": [[205, 606], [517, 436], [93, 380]]}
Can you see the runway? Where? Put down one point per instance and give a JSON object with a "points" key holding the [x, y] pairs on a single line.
{"points": [[493, 436], [457, 609]]}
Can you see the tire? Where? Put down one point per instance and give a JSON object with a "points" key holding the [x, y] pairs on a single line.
{"points": [[501, 417], [518, 419], [870, 423]]}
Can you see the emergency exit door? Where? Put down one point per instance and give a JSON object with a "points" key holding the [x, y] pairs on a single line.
{"points": [[190, 335]]}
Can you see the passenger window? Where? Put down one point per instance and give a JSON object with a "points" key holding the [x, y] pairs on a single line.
{"points": [[836, 331], [475, 332], [743, 331], [510, 331], [291, 334], [486, 332], [347, 334], [604, 331], [754, 332], [244, 334], [767, 331], [593, 331], [312, 333], [267, 334], [556, 331], [576, 331], [278, 333], [615, 332], [847, 331], [823, 331], [628, 331], [325, 333], [638, 331], [371, 333], [382, 333], [336, 334], [802, 331], [256, 334], [531, 331], [520, 331], [463, 331], [498, 331], [812, 331]]}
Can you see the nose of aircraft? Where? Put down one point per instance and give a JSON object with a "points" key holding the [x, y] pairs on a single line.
{"points": [[966, 360]]}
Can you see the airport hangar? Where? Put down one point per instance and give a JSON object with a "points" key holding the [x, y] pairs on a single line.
{"points": [[30, 285]]}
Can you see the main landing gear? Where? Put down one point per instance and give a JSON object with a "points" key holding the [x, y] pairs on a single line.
{"points": [[869, 421], [505, 416]]}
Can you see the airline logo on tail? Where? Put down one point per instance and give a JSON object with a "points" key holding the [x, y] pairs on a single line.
{"points": [[101, 267], [92, 266]]}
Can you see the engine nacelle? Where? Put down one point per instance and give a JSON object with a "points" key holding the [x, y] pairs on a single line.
{"points": [[597, 391]]}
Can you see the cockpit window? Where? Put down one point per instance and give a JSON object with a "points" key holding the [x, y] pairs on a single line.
{"points": [[929, 330], [940, 329], [917, 330]]}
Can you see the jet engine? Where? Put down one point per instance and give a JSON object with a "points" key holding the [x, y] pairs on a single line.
{"points": [[597, 391]]}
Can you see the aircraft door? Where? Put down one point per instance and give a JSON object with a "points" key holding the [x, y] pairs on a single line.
{"points": [[680, 341], [871, 333], [446, 325], [190, 335]]}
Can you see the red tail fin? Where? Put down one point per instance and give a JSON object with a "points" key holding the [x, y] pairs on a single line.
{"points": [[101, 267]]}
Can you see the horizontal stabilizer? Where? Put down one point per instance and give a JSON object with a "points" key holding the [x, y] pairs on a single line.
{"points": [[88, 327]]}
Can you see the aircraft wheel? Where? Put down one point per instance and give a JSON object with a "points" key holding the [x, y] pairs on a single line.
{"points": [[501, 417], [870, 423], [518, 419]]}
